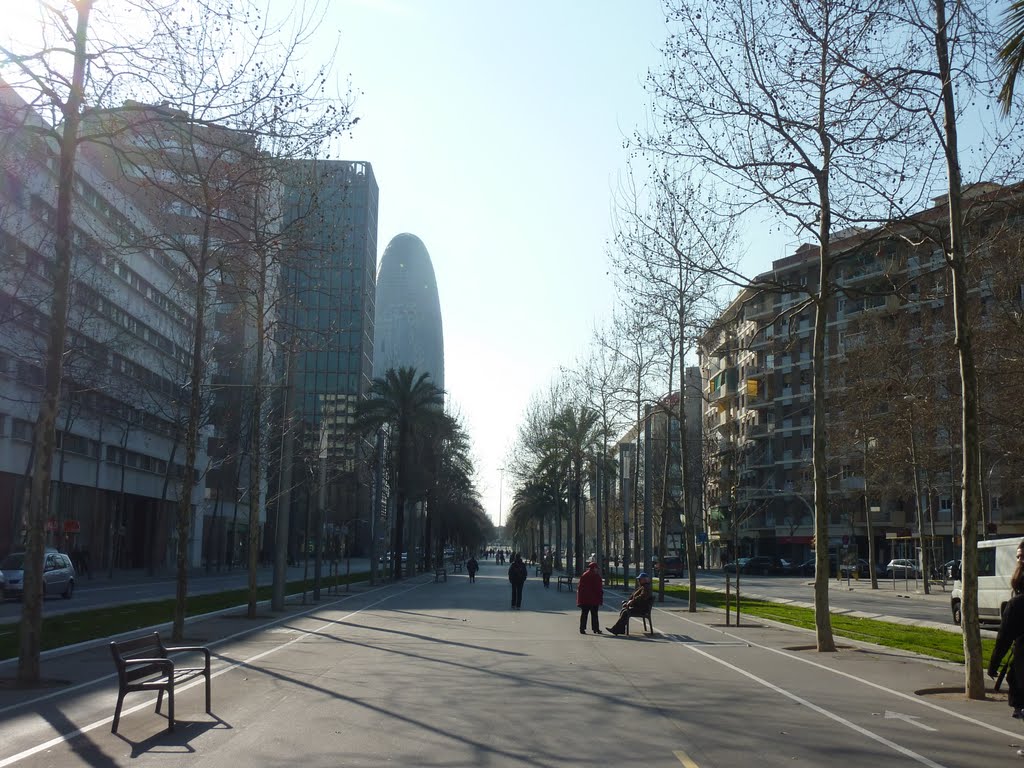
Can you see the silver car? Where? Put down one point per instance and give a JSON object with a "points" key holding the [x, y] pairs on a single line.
{"points": [[58, 574]]}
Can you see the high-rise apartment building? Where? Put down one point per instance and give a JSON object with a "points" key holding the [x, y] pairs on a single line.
{"points": [[893, 393]]}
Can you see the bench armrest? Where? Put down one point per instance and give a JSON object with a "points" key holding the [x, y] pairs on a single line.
{"points": [[190, 649]]}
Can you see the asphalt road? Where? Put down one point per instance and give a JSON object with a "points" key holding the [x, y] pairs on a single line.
{"points": [[445, 674]]}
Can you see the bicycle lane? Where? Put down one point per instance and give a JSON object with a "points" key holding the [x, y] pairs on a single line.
{"points": [[783, 701]]}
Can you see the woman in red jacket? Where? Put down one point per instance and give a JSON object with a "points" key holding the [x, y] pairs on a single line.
{"points": [[589, 596]]}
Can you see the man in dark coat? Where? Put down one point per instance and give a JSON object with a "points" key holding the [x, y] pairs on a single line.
{"points": [[547, 567], [639, 604], [471, 568], [517, 577], [589, 596], [1011, 634]]}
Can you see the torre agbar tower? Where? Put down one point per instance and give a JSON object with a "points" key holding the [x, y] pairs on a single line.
{"points": [[408, 312]]}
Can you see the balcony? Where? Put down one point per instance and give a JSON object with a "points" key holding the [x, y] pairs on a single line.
{"points": [[724, 392], [759, 430], [761, 309], [759, 402]]}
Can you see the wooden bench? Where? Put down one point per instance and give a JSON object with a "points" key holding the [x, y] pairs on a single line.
{"points": [[566, 579], [440, 574], [142, 665], [457, 566]]}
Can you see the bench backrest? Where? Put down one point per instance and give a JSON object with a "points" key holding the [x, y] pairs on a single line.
{"points": [[146, 647]]}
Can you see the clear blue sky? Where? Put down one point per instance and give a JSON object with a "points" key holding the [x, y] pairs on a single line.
{"points": [[496, 131]]}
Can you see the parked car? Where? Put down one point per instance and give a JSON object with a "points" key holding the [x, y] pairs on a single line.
{"points": [[951, 570], [860, 569], [902, 568], [809, 566], [58, 574], [674, 567], [736, 565], [761, 565]]}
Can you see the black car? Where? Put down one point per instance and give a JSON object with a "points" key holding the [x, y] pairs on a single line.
{"points": [[761, 565]]}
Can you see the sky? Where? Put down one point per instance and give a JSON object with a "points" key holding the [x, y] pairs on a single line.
{"points": [[495, 131]]}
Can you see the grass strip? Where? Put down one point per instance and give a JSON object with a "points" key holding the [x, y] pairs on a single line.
{"points": [[82, 626], [928, 641]]}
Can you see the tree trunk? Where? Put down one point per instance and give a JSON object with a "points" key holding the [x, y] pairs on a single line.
{"points": [[191, 442], [30, 629], [971, 499]]}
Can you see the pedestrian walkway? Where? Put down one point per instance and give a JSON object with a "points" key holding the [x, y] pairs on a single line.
{"points": [[425, 673]]}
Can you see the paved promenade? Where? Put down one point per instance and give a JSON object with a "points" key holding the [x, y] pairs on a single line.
{"points": [[445, 674]]}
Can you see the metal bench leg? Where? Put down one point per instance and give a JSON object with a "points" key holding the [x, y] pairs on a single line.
{"points": [[159, 700], [207, 675], [117, 712], [170, 707]]}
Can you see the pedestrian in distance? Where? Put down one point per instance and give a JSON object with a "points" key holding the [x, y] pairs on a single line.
{"points": [[517, 577], [547, 567], [1011, 638], [471, 568], [638, 604], [589, 596]]}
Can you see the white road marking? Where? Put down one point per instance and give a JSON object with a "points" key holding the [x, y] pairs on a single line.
{"points": [[912, 719], [820, 710]]}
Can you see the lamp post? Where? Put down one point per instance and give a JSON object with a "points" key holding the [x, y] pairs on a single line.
{"points": [[501, 491], [626, 473], [869, 442], [910, 400], [648, 565]]}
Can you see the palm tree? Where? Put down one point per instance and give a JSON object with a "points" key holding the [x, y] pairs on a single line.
{"points": [[1011, 55], [408, 405], [576, 436], [532, 504]]}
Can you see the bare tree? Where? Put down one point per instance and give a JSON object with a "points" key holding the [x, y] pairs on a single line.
{"points": [[811, 133]]}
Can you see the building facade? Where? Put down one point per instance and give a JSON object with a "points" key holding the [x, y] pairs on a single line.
{"points": [[328, 301], [117, 473], [892, 399]]}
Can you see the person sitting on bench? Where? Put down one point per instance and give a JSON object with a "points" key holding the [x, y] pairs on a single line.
{"points": [[639, 604]]}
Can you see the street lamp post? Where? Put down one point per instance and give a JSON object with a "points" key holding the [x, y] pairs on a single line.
{"points": [[626, 473], [911, 399], [648, 565]]}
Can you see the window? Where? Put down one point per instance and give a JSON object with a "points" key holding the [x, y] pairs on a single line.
{"points": [[21, 429]]}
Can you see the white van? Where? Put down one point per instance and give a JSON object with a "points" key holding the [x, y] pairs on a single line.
{"points": [[996, 560]]}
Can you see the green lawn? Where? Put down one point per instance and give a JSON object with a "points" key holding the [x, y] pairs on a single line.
{"points": [[937, 643], [71, 628]]}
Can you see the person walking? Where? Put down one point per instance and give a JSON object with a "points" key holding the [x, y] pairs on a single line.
{"points": [[1011, 636], [639, 603], [547, 567], [589, 596], [472, 566], [517, 577]]}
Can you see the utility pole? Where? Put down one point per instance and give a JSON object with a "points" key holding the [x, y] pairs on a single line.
{"points": [[625, 472], [648, 565]]}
